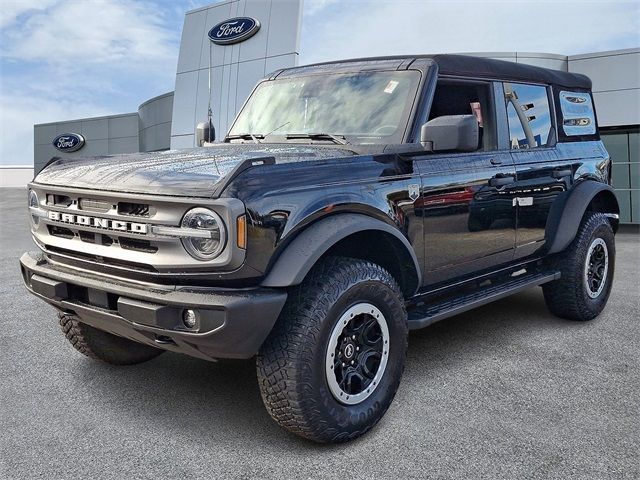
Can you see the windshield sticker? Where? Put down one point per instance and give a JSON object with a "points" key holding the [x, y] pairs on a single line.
{"points": [[391, 86]]}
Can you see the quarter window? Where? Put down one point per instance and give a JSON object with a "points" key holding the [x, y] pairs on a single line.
{"points": [[577, 113], [529, 115]]}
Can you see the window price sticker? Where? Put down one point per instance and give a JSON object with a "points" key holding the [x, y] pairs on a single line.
{"points": [[391, 86]]}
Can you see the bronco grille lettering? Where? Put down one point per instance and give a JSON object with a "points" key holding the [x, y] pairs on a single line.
{"points": [[98, 222]]}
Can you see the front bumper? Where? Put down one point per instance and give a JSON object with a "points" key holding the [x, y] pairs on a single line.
{"points": [[232, 323]]}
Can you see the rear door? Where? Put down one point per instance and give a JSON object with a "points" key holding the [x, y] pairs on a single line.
{"points": [[542, 172]]}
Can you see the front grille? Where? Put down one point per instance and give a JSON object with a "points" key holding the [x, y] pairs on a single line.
{"points": [[59, 200], [137, 245], [96, 259], [122, 234], [136, 209], [91, 205], [61, 232], [96, 238]]}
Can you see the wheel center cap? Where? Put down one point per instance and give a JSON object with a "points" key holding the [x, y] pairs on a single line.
{"points": [[349, 350]]}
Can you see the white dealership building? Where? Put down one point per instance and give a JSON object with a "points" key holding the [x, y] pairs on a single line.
{"points": [[227, 47]]}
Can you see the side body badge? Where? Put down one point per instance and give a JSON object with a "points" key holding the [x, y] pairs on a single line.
{"points": [[414, 192]]}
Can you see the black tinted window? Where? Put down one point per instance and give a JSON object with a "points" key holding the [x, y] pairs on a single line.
{"points": [[467, 98], [528, 114]]}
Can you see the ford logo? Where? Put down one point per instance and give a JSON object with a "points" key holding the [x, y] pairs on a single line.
{"points": [[68, 142], [234, 30]]}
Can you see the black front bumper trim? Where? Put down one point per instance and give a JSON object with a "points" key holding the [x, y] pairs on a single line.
{"points": [[232, 323]]}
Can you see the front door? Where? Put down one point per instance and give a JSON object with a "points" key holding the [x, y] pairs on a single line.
{"points": [[465, 202], [468, 217]]}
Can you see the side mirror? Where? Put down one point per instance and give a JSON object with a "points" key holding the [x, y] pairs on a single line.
{"points": [[205, 133], [450, 132]]}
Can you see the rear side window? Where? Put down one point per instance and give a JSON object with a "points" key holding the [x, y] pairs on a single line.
{"points": [[529, 116], [578, 117]]}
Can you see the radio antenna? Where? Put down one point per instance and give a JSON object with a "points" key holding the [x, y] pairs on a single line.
{"points": [[209, 113], [210, 131]]}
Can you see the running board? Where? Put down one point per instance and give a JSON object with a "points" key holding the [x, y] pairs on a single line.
{"points": [[424, 315]]}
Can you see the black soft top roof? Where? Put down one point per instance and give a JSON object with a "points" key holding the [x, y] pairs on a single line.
{"points": [[463, 65], [490, 68]]}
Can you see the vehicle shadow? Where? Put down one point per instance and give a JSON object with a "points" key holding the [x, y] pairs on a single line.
{"points": [[219, 403]]}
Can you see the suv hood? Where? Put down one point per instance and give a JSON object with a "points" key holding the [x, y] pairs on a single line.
{"points": [[193, 172]]}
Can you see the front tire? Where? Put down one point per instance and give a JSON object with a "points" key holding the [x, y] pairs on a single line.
{"points": [[332, 364], [586, 268], [104, 346]]}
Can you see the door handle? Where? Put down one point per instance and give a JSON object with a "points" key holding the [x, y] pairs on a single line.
{"points": [[561, 172], [501, 181], [496, 161]]}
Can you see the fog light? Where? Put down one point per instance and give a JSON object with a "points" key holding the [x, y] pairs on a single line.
{"points": [[189, 318]]}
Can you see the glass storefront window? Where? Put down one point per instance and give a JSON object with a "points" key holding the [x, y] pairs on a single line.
{"points": [[624, 150]]}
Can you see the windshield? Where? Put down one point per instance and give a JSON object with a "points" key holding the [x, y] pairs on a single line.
{"points": [[364, 107]]}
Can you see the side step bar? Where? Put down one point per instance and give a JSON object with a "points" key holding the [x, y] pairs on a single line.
{"points": [[424, 315]]}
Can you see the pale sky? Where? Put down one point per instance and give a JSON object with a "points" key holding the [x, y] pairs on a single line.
{"points": [[66, 59]]}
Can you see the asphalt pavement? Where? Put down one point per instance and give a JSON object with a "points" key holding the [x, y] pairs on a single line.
{"points": [[504, 391]]}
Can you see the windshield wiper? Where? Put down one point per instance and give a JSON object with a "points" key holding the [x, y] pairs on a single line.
{"points": [[278, 128], [246, 136], [339, 139]]}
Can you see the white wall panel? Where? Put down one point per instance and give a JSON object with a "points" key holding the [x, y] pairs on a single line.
{"points": [[182, 119], [95, 129], [281, 35], [68, 127], [618, 107], [155, 123], [256, 46], [98, 132], [44, 134], [123, 145], [124, 126], [553, 63], [192, 33], [617, 71]]}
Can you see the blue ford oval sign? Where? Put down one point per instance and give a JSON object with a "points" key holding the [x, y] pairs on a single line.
{"points": [[234, 30], [68, 142]]}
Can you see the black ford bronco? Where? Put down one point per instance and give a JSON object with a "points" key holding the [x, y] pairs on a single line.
{"points": [[349, 203]]}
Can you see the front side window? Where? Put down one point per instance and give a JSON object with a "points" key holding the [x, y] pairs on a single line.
{"points": [[529, 115], [364, 107], [463, 97]]}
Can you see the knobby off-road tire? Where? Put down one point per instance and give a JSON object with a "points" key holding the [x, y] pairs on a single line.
{"points": [[295, 363], [580, 294], [104, 346]]}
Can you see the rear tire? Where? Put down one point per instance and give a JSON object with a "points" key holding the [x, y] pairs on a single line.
{"points": [[104, 346], [587, 267], [328, 375]]}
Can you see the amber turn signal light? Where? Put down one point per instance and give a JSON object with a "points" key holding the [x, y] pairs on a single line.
{"points": [[241, 229]]}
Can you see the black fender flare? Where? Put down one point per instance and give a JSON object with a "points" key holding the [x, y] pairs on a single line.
{"points": [[567, 211], [314, 241]]}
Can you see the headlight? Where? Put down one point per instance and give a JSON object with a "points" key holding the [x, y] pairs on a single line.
{"points": [[34, 203], [205, 247]]}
